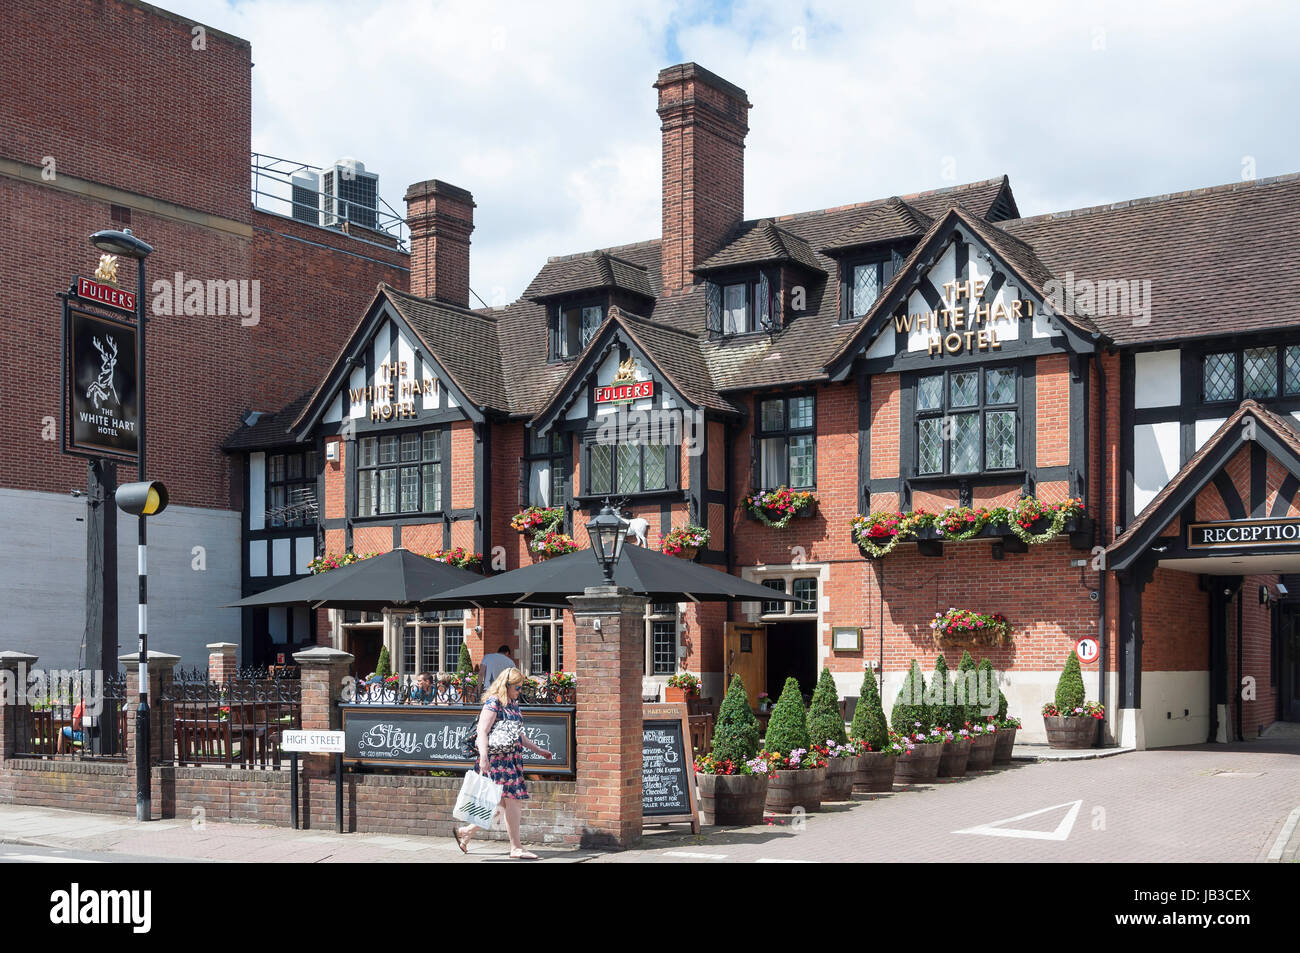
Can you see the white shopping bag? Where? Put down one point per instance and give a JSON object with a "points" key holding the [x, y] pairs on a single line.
{"points": [[478, 800]]}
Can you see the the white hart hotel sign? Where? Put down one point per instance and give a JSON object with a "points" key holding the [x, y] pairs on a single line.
{"points": [[393, 396], [966, 322]]}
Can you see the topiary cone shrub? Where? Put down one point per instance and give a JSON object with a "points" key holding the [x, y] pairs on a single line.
{"points": [[464, 664], [988, 675], [825, 723], [1069, 690], [869, 725], [910, 706], [383, 668], [788, 727], [967, 689], [941, 694], [736, 735]]}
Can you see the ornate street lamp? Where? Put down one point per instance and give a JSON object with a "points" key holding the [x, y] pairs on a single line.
{"points": [[607, 532], [139, 499]]}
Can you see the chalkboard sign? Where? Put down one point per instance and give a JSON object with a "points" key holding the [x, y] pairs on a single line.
{"points": [[418, 736], [667, 766]]}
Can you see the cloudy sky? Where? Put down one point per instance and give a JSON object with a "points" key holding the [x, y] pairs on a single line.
{"points": [[545, 111]]}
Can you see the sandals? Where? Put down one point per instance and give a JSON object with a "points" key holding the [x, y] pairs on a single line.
{"points": [[455, 833], [523, 855]]}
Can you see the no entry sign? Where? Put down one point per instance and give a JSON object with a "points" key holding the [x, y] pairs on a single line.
{"points": [[1087, 649]]}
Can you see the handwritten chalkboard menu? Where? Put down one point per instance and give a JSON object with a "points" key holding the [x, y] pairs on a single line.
{"points": [[417, 736], [667, 765]]}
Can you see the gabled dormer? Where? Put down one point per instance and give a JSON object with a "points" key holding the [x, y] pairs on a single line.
{"points": [[578, 293], [759, 281], [870, 254]]}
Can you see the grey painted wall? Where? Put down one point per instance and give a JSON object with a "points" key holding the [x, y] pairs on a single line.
{"points": [[43, 579]]}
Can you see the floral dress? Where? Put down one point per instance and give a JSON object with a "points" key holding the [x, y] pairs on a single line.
{"points": [[508, 770]]}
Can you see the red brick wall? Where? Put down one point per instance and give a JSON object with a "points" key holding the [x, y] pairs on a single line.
{"points": [[336, 482], [884, 430], [1256, 658], [462, 465], [704, 129], [1180, 647], [1052, 434]]}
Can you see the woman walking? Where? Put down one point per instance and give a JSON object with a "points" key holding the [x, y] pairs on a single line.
{"points": [[501, 758]]}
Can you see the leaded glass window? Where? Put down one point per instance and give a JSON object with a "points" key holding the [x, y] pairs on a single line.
{"points": [[1259, 372], [601, 479], [629, 467], [399, 474], [957, 429], [1220, 381], [866, 287], [787, 442], [1291, 370]]}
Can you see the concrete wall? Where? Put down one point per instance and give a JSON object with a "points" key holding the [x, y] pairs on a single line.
{"points": [[43, 578]]}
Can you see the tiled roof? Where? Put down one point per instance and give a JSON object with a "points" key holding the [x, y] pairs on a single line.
{"points": [[464, 342], [1215, 258], [589, 273], [759, 243], [1230, 429], [891, 221], [269, 430]]}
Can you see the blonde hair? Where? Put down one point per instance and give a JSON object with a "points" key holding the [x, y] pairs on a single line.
{"points": [[497, 690]]}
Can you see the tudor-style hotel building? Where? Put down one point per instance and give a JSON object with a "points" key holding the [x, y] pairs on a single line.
{"points": [[926, 351]]}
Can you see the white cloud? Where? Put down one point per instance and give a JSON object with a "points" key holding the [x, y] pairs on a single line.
{"points": [[546, 111]]}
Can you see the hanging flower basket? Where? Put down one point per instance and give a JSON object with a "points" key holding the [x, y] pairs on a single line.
{"points": [[685, 542], [1048, 518], [538, 520], [967, 625], [879, 533], [460, 557], [325, 563], [775, 508], [550, 544]]}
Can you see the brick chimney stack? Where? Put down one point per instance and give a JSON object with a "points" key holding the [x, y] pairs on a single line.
{"points": [[704, 122], [440, 217]]}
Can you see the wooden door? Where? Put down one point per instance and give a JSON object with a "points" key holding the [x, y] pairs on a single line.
{"points": [[744, 647]]}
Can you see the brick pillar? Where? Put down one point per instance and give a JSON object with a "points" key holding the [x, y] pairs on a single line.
{"points": [[14, 710], [323, 671], [161, 725], [222, 665], [609, 657]]}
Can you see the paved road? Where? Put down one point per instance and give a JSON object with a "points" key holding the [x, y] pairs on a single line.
{"points": [[1205, 804]]}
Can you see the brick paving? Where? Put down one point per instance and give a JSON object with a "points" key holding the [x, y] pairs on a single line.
{"points": [[1204, 804]]}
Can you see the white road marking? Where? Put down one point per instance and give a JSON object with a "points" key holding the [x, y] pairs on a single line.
{"points": [[1279, 845], [1062, 831], [693, 855], [41, 859], [780, 860]]}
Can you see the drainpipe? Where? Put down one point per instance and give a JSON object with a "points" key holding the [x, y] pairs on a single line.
{"points": [[1102, 516]]}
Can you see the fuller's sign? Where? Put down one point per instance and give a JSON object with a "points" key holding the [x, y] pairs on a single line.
{"points": [[624, 393], [1234, 534], [100, 386], [106, 295]]}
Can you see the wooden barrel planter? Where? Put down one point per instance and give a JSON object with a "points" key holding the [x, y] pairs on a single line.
{"points": [[731, 799], [839, 779], [1006, 742], [952, 763], [1076, 732], [919, 764], [875, 772], [982, 749], [797, 787]]}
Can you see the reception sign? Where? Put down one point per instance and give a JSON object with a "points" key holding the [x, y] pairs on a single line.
{"points": [[99, 387], [418, 736], [1238, 534]]}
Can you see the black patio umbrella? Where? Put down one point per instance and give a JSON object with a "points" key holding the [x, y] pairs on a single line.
{"points": [[648, 573], [395, 578]]}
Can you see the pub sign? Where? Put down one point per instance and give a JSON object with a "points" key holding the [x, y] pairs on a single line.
{"points": [[99, 386]]}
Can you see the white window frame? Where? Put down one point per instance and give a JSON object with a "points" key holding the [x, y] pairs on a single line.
{"points": [[651, 617]]}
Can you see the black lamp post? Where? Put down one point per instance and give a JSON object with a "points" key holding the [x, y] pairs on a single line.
{"points": [[607, 532], [129, 499]]}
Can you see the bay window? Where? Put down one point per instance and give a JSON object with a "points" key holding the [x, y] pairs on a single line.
{"points": [[787, 442], [966, 420]]}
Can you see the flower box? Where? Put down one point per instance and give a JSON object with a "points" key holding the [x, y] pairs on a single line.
{"points": [[673, 695]]}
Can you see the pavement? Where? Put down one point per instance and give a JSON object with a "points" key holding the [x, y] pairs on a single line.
{"points": [[1202, 804]]}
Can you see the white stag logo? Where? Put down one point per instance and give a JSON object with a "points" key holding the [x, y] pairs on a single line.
{"points": [[103, 385]]}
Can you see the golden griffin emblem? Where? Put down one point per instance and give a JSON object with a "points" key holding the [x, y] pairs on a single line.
{"points": [[107, 270], [626, 372]]}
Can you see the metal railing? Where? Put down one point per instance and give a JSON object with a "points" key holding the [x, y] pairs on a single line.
{"points": [[273, 191], [51, 727], [236, 722]]}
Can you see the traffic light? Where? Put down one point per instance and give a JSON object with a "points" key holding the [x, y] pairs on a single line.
{"points": [[142, 499]]}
